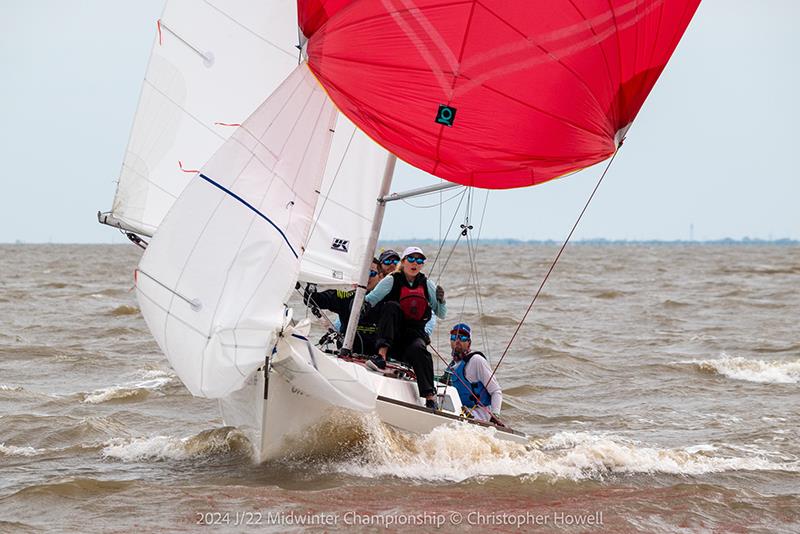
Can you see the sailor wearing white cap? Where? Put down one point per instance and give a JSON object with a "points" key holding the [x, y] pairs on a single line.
{"points": [[409, 300]]}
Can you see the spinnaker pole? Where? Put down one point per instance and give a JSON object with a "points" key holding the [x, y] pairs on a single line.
{"points": [[363, 277]]}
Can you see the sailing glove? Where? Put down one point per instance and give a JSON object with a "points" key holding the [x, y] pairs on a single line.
{"points": [[440, 294], [496, 420], [310, 289]]}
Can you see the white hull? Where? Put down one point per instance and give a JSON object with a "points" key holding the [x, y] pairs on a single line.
{"points": [[284, 421]]}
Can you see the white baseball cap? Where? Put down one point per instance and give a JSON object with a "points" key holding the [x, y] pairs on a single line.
{"points": [[412, 250]]}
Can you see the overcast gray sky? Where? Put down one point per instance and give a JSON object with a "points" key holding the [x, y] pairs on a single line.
{"points": [[712, 149]]}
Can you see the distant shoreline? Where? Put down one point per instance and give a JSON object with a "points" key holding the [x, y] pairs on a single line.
{"points": [[601, 241], [509, 241]]}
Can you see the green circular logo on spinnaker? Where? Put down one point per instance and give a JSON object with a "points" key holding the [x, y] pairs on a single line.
{"points": [[446, 115]]}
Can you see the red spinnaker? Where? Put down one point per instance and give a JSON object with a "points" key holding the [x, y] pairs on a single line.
{"points": [[496, 93]]}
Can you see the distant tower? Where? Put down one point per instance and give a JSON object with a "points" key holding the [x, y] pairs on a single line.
{"points": [[691, 232]]}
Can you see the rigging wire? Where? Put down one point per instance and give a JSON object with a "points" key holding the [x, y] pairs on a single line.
{"points": [[473, 253], [481, 322], [472, 278], [442, 242], [553, 265], [441, 211], [470, 273], [464, 229], [437, 205]]}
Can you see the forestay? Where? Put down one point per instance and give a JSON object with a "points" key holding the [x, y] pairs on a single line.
{"points": [[213, 282], [211, 65]]}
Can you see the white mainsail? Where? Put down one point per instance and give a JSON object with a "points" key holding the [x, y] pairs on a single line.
{"points": [[213, 282], [212, 63]]}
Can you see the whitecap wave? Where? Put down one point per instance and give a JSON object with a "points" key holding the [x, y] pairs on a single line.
{"points": [[150, 381], [207, 443], [19, 392], [11, 450], [760, 371], [460, 452]]}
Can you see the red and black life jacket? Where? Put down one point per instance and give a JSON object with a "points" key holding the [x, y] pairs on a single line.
{"points": [[413, 298]]}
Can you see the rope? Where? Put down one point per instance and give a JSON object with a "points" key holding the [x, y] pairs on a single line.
{"points": [[553, 265], [322, 315]]}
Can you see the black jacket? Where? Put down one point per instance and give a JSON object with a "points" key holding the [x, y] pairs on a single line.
{"points": [[340, 302]]}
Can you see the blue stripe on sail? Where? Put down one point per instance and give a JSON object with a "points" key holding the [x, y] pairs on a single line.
{"points": [[246, 203]]}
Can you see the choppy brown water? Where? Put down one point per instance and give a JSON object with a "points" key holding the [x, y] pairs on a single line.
{"points": [[660, 385]]}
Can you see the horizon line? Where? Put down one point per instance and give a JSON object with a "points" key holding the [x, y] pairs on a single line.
{"points": [[514, 240]]}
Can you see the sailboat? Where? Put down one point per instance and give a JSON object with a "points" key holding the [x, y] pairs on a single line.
{"points": [[482, 94]]}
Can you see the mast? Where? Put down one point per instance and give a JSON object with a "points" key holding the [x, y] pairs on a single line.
{"points": [[363, 277]]}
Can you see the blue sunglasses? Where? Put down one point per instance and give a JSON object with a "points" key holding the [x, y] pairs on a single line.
{"points": [[419, 261], [373, 274], [461, 337], [390, 262]]}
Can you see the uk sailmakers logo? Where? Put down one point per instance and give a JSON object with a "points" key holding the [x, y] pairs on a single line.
{"points": [[341, 245]]}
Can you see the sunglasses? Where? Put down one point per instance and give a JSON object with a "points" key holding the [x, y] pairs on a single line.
{"points": [[460, 337], [419, 261], [390, 262], [373, 274]]}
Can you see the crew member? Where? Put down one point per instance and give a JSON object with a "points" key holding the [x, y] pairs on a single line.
{"points": [[388, 261], [409, 301], [340, 302], [472, 377]]}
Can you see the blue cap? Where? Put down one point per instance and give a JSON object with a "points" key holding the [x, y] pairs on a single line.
{"points": [[461, 327]]}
